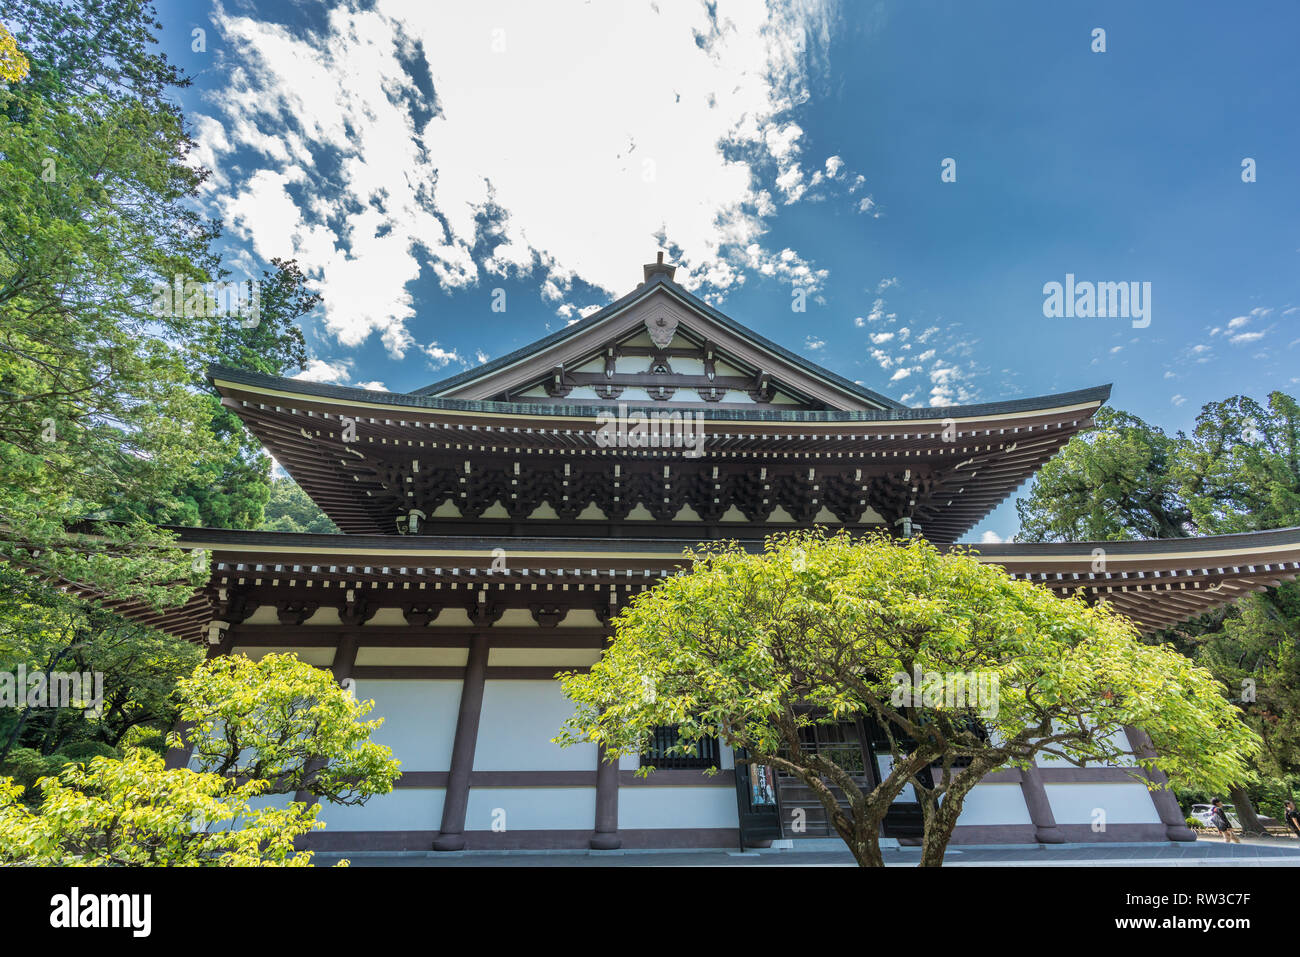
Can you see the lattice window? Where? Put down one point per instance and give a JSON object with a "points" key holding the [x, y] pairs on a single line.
{"points": [[663, 737]]}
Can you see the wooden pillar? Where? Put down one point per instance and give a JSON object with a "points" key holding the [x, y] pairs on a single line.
{"points": [[1171, 815], [606, 836], [345, 657], [180, 757], [1040, 808], [451, 835]]}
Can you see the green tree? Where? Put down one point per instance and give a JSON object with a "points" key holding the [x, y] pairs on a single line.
{"points": [[46, 631], [132, 812], [97, 403], [108, 322], [290, 509], [13, 65], [232, 486], [1238, 471], [753, 649], [1112, 482], [283, 721]]}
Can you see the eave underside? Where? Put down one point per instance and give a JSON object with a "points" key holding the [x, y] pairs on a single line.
{"points": [[495, 470], [1157, 584]]}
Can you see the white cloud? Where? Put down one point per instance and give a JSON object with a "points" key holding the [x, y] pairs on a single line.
{"points": [[337, 372], [1178, 399], [950, 384], [507, 135], [991, 538], [372, 386], [439, 357]]}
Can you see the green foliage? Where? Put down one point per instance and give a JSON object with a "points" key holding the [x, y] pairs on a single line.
{"points": [[96, 400], [85, 750], [282, 721], [290, 509], [27, 765], [13, 65], [103, 410], [1238, 471], [1112, 482], [43, 629], [754, 648], [147, 739], [132, 812]]}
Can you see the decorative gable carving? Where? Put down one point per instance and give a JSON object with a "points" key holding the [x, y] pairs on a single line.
{"points": [[662, 347], [662, 328]]}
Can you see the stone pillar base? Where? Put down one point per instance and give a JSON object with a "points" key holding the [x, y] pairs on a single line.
{"points": [[449, 842], [1050, 834], [605, 841], [1180, 832]]}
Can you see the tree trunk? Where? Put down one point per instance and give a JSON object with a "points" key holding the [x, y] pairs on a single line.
{"points": [[867, 853], [1250, 822], [938, 831], [22, 718], [863, 840], [52, 731]]}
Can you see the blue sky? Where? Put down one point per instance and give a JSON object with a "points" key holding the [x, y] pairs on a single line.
{"points": [[415, 158]]}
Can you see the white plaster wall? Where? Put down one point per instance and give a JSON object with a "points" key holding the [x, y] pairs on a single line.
{"points": [[726, 757], [1119, 740], [321, 657], [402, 809], [1124, 802], [515, 730], [995, 804], [532, 809], [643, 806], [277, 801], [419, 719]]}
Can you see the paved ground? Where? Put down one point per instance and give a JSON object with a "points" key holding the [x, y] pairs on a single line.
{"points": [[1261, 852]]}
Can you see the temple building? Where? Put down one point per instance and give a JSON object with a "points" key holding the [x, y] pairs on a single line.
{"points": [[495, 522]]}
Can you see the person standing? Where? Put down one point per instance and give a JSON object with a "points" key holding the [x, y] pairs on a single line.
{"points": [[1292, 817], [1219, 818]]}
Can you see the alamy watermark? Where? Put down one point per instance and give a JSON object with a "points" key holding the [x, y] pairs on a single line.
{"points": [[952, 689], [191, 299], [56, 689], [654, 430], [1098, 300]]}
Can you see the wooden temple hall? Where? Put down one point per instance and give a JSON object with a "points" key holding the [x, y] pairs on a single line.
{"points": [[495, 522]]}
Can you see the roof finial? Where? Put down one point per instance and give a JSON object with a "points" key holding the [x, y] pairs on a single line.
{"points": [[659, 268]]}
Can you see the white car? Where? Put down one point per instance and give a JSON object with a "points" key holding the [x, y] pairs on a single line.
{"points": [[1202, 813]]}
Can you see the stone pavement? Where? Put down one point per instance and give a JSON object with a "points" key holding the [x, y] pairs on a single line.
{"points": [[1261, 852]]}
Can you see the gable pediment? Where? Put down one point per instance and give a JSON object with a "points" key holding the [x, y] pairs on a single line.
{"points": [[660, 345]]}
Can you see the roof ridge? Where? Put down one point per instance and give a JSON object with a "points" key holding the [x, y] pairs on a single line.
{"points": [[655, 281], [419, 400]]}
